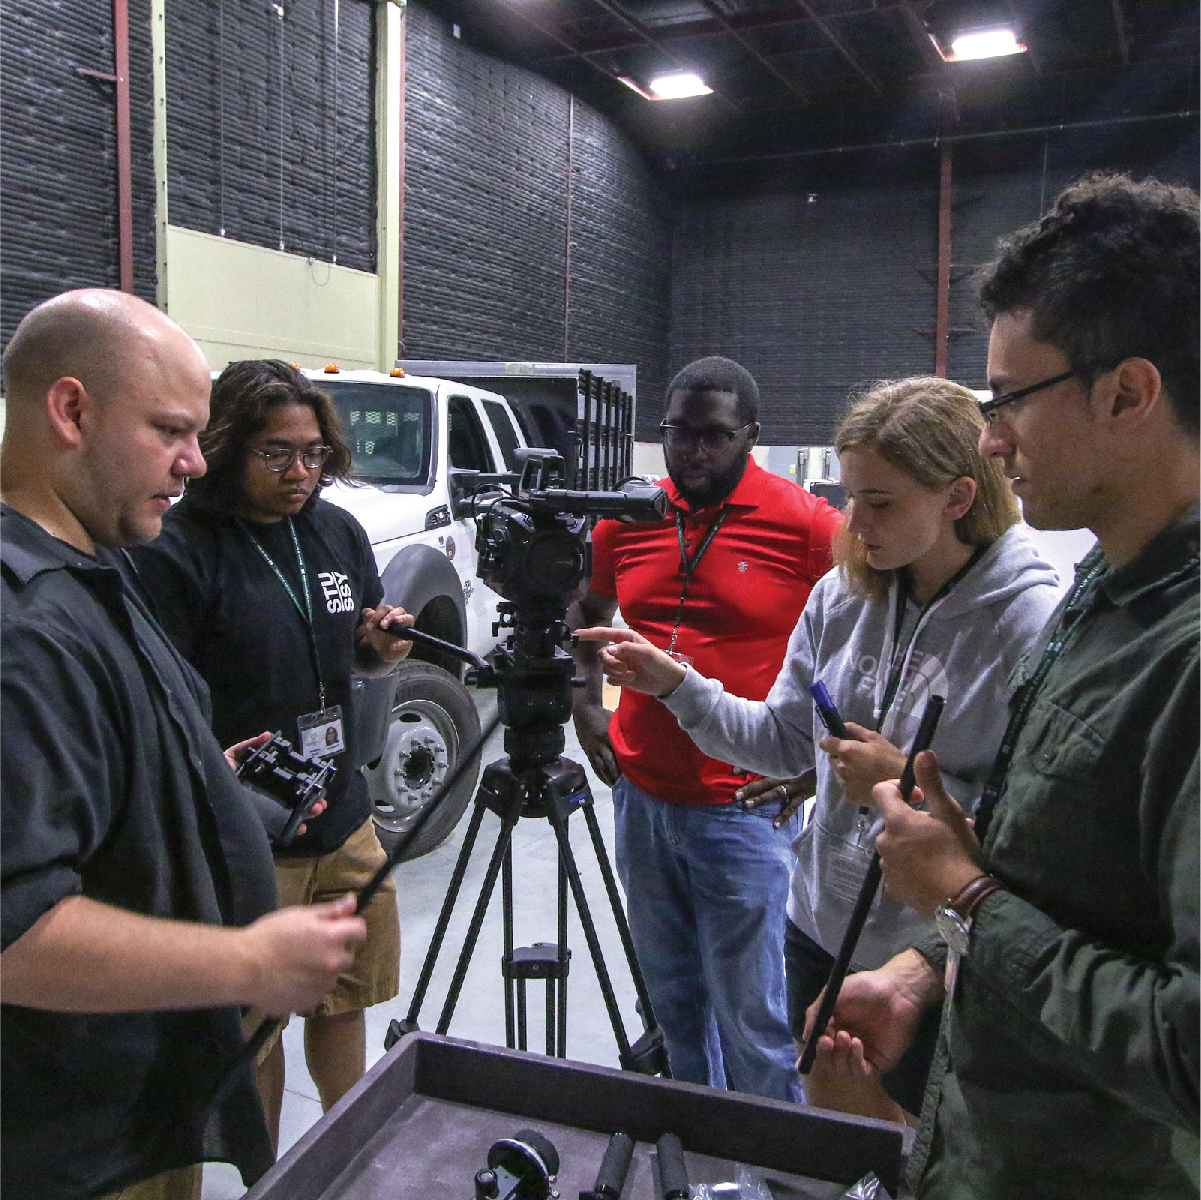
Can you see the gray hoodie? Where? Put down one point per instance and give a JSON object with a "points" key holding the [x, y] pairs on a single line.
{"points": [[964, 648]]}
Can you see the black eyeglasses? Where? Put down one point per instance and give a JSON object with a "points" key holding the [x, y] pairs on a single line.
{"points": [[989, 408], [280, 460], [713, 438]]}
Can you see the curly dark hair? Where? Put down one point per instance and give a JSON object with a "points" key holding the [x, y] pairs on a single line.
{"points": [[242, 398], [1110, 272], [719, 374]]}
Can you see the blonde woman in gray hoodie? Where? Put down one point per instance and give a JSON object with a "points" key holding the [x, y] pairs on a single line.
{"points": [[938, 590]]}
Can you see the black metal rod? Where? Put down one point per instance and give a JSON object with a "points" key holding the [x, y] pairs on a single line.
{"points": [[867, 893], [512, 987], [940, 139], [560, 982]]}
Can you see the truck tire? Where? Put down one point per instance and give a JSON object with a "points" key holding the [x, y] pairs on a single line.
{"points": [[433, 720]]}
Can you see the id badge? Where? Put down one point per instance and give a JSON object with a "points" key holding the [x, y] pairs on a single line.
{"points": [[321, 733]]}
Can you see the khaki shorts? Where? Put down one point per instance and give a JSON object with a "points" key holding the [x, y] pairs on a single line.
{"points": [[180, 1184], [374, 976]]}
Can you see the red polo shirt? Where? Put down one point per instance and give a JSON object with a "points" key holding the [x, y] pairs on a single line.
{"points": [[743, 601]]}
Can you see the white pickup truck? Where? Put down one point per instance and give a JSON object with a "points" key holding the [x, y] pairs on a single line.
{"points": [[409, 435]]}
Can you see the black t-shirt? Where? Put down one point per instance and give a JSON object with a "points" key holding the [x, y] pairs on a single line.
{"points": [[232, 619]]}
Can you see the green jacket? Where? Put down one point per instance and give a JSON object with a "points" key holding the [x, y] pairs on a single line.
{"points": [[1074, 1034]]}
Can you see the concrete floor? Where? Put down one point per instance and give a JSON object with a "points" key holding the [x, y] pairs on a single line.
{"points": [[421, 886]]}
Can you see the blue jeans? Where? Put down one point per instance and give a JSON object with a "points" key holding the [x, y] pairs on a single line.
{"points": [[706, 889]]}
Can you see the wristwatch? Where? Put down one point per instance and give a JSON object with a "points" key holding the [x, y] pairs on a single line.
{"points": [[953, 920]]}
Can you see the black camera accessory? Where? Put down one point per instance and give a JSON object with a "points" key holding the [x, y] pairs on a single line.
{"points": [[276, 770], [673, 1173], [867, 893], [521, 1167], [614, 1168]]}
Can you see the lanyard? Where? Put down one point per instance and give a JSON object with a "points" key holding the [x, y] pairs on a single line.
{"points": [[689, 565], [899, 656], [305, 609], [1067, 625]]}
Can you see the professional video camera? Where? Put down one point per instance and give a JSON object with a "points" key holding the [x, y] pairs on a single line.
{"points": [[530, 538]]}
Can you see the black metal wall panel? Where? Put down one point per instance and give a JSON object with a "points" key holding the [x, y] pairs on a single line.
{"points": [[486, 207], [813, 296], [58, 189], [271, 127]]}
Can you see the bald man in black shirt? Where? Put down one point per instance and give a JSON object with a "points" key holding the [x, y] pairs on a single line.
{"points": [[135, 869]]}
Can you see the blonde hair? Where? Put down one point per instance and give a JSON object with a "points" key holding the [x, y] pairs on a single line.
{"points": [[929, 428]]}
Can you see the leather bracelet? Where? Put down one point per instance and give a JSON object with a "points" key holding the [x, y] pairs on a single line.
{"points": [[972, 895]]}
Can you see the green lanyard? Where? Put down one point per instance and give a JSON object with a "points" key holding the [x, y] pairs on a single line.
{"points": [[305, 609], [1026, 696], [689, 565]]}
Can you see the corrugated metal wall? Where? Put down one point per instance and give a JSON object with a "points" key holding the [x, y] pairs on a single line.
{"points": [[817, 298]]}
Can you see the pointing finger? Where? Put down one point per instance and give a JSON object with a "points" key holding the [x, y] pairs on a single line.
{"points": [[602, 634]]}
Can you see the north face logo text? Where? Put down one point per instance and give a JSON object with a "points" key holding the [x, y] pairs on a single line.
{"points": [[338, 597]]}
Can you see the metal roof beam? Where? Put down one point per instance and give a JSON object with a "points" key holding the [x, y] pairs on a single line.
{"points": [[924, 40], [752, 50], [840, 46]]}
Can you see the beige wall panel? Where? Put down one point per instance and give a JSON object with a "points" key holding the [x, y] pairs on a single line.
{"points": [[242, 301]]}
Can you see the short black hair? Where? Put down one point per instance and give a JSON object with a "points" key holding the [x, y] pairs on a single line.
{"points": [[1110, 272], [243, 396], [717, 374]]}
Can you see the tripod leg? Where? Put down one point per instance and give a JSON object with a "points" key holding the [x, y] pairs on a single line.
{"points": [[560, 983], [567, 858], [452, 894], [477, 920], [619, 916], [513, 987]]}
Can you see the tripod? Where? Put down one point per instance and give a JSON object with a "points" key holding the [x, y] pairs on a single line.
{"points": [[553, 791]]}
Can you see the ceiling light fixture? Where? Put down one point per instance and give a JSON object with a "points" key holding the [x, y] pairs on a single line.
{"points": [[678, 86], [989, 43]]}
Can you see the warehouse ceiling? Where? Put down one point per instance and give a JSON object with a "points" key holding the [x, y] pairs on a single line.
{"points": [[810, 79]]}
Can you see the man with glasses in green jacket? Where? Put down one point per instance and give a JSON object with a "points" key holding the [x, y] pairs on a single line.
{"points": [[1069, 914]]}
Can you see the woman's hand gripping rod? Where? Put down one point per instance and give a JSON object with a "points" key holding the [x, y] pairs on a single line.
{"points": [[867, 893]]}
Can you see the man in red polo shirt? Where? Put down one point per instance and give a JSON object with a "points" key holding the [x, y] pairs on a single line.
{"points": [[720, 582]]}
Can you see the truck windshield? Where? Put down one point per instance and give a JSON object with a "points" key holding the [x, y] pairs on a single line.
{"points": [[389, 430]]}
